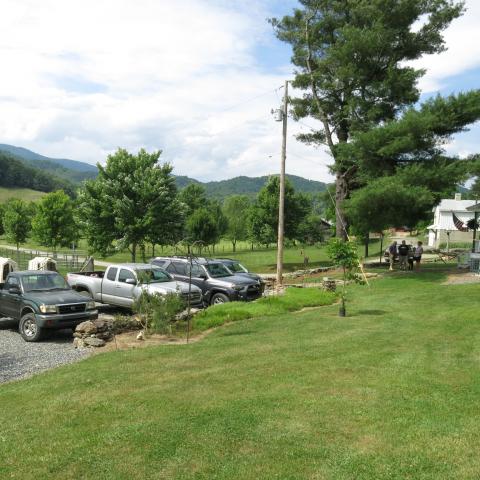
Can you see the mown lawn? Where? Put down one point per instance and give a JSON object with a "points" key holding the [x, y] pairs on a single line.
{"points": [[22, 193], [390, 392]]}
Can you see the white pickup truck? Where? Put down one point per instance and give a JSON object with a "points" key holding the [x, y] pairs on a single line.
{"points": [[121, 285]]}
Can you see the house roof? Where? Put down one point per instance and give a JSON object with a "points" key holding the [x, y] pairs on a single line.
{"points": [[455, 205], [474, 208]]}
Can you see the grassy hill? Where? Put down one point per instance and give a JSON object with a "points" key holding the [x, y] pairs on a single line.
{"points": [[22, 193], [389, 392]]}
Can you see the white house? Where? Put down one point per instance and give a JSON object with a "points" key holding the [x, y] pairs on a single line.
{"points": [[450, 219]]}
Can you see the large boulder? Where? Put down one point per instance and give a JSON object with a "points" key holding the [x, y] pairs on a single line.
{"points": [[87, 327], [94, 342]]}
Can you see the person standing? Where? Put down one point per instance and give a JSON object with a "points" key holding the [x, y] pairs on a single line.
{"points": [[392, 252], [417, 256], [403, 255], [411, 252]]}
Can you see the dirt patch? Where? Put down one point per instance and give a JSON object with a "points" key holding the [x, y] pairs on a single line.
{"points": [[462, 278], [128, 340]]}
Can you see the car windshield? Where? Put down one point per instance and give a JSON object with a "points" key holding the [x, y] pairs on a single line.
{"points": [[43, 282], [236, 267], [154, 275], [217, 270]]}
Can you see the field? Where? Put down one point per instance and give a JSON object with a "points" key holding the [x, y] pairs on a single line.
{"points": [[262, 260], [390, 392], [22, 193]]}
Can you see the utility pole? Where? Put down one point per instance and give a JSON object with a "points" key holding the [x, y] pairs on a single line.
{"points": [[281, 203]]}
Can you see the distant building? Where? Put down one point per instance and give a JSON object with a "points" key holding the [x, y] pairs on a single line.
{"points": [[450, 219]]}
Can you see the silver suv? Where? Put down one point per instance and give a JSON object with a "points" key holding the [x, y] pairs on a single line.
{"points": [[217, 283]]}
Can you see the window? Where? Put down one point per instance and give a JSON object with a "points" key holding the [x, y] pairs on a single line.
{"points": [[125, 275], [159, 263], [179, 268], [51, 281], [218, 270], [12, 283], [197, 271], [154, 275], [112, 274]]}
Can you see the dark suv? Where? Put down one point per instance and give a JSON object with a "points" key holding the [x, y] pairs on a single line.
{"points": [[238, 269], [216, 281]]}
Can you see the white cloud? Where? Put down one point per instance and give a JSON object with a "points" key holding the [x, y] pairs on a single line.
{"points": [[462, 40], [83, 77]]}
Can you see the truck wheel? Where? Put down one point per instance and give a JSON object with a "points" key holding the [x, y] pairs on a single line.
{"points": [[29, 329], [219, 298]]}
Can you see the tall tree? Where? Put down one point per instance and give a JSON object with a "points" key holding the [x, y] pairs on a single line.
{"points": [[264, 212], [54, 224], [2, 213], [352, 62], [17, 221], [125, 206], [236, 209], [202, 227]]}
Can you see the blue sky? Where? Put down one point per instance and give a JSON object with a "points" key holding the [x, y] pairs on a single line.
{"points": [[194, 78]]}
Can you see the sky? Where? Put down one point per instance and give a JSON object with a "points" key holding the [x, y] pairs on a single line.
{"points": [[196, 79]]}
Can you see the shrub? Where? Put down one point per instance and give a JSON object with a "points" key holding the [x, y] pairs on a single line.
{"points": [[157, 312]]}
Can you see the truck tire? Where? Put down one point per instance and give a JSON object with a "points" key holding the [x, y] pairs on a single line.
{"points": [[219, 298], [29, 329]]}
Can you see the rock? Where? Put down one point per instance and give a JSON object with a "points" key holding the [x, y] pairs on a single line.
{"points": [[78, 343], [87, 327], [94, 342], [77, 335], [100, 325], [104, 335]]}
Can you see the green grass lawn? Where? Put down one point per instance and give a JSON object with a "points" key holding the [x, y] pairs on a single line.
{"points": [[390, 392], [21, 193]]}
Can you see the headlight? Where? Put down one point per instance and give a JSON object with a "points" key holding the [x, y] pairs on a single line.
{"points": [[48, 308], [91, 305]]}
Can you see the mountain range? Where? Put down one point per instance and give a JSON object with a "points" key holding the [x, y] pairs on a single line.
{"points": [[72, 171]]}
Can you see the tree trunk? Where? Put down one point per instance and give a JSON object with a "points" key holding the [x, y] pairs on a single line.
{"points": [[367, 238], [134, 252], [153, 250], [341, 193], [234, 244]]}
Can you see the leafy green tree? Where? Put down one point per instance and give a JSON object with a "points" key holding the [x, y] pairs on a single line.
{"points": [[17, 221], [132, 201], [202, 227], [387, 202], [235, 209], [344, 255], [264, 213], [54, 223], [193, 196], [311, 230], [351, 60]]}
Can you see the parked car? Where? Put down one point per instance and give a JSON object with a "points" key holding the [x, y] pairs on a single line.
{"points": [[41, 300], [122, 284], [218, 284], [238, 269]]}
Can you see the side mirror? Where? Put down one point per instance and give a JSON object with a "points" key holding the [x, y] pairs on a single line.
{"points": [[131, 281], [14, 291], [203, 276]]}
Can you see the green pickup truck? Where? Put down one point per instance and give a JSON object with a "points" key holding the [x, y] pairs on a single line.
{"points": [[41, 300]]}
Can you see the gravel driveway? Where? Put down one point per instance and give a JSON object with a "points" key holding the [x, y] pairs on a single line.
{"points": [[20, 359]]}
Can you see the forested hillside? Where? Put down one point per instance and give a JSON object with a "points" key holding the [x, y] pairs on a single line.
{"points": [[248, 185], [16, 174]]}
